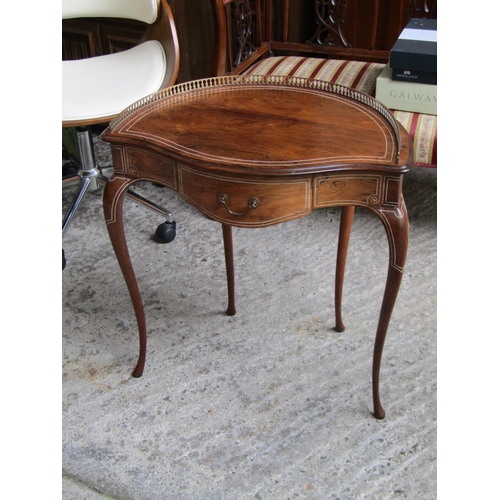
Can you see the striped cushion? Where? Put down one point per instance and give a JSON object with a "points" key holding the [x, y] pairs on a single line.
{"points": [[354, 74], [360, 76], [423, 131]]}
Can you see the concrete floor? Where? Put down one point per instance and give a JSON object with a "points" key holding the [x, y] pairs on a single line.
{"points": [[269, 404]]}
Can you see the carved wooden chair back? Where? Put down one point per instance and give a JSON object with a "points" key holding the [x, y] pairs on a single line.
{"points": [[356, 30], [239, 40]]}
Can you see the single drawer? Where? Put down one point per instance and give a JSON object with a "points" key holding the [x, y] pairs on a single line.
{"points": [[239, 202], [334, 190], [144, 164]]}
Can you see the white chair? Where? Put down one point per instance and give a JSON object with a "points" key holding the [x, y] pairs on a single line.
{"points": [[96, 89]]}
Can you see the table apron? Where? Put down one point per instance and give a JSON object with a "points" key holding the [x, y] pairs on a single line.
{"points": [[258, 201]]}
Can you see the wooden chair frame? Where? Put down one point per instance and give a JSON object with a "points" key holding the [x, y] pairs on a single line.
{"points": [[345, 29]]}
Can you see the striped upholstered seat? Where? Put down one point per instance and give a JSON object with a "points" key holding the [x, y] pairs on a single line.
{"points": [[360, 76], [354, 74], [423, 130]]}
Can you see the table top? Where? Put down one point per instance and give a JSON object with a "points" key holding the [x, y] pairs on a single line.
{"points": [[266, 126]]}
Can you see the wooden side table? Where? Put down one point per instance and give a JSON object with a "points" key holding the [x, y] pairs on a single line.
{"points": [[257, 151]]}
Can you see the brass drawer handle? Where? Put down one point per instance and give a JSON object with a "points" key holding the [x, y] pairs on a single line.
{"points": [[252, 203]]}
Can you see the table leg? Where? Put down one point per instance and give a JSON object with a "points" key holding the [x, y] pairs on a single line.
{"points": [[227, 234], [114, 194], [346, 218], [396, 225]]}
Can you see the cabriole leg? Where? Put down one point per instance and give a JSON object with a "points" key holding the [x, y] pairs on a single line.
{"points": [[346, 218], [114, 194], [396, 225]]}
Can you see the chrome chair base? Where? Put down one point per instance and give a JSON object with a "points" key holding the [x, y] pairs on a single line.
{"points": [[90, 177]]}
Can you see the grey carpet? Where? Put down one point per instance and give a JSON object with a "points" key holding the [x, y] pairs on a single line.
{"points": [[269, 404]]}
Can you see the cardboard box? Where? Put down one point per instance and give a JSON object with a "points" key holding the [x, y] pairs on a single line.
{"points": [[416, 47], [405, 96]]}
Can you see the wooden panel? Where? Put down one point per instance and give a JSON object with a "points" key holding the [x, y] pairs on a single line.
{"points": [[116, 38], [82, 38], [338, 189], [146, 164], [195, 30], [392, 190]]}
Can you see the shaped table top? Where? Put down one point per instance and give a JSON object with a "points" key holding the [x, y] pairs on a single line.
{"points": [[267, 125]]}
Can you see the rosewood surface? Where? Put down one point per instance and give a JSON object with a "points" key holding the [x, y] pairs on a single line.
{"points": [[257, 151]]}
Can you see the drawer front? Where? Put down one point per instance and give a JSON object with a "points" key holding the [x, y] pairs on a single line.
{"points": [[243, 203], [145, 165], [361, 189]]}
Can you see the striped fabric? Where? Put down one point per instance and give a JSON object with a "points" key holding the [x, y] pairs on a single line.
{"points": [[354, 74], [423, 131], [360, 76]]}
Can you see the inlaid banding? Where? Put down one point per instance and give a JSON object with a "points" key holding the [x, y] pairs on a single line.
{"points": [[287, 81]]}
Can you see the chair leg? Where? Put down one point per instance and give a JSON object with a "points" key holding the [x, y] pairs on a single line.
{"points": [[88, 173], [77, 200]]}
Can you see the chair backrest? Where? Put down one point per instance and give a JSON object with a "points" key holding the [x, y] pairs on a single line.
{"points": [[363, 30], [140, 10], [164, 31], [239, 40]]}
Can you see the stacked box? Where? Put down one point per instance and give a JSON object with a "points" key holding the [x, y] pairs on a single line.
{"points": [[409, 81]]}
